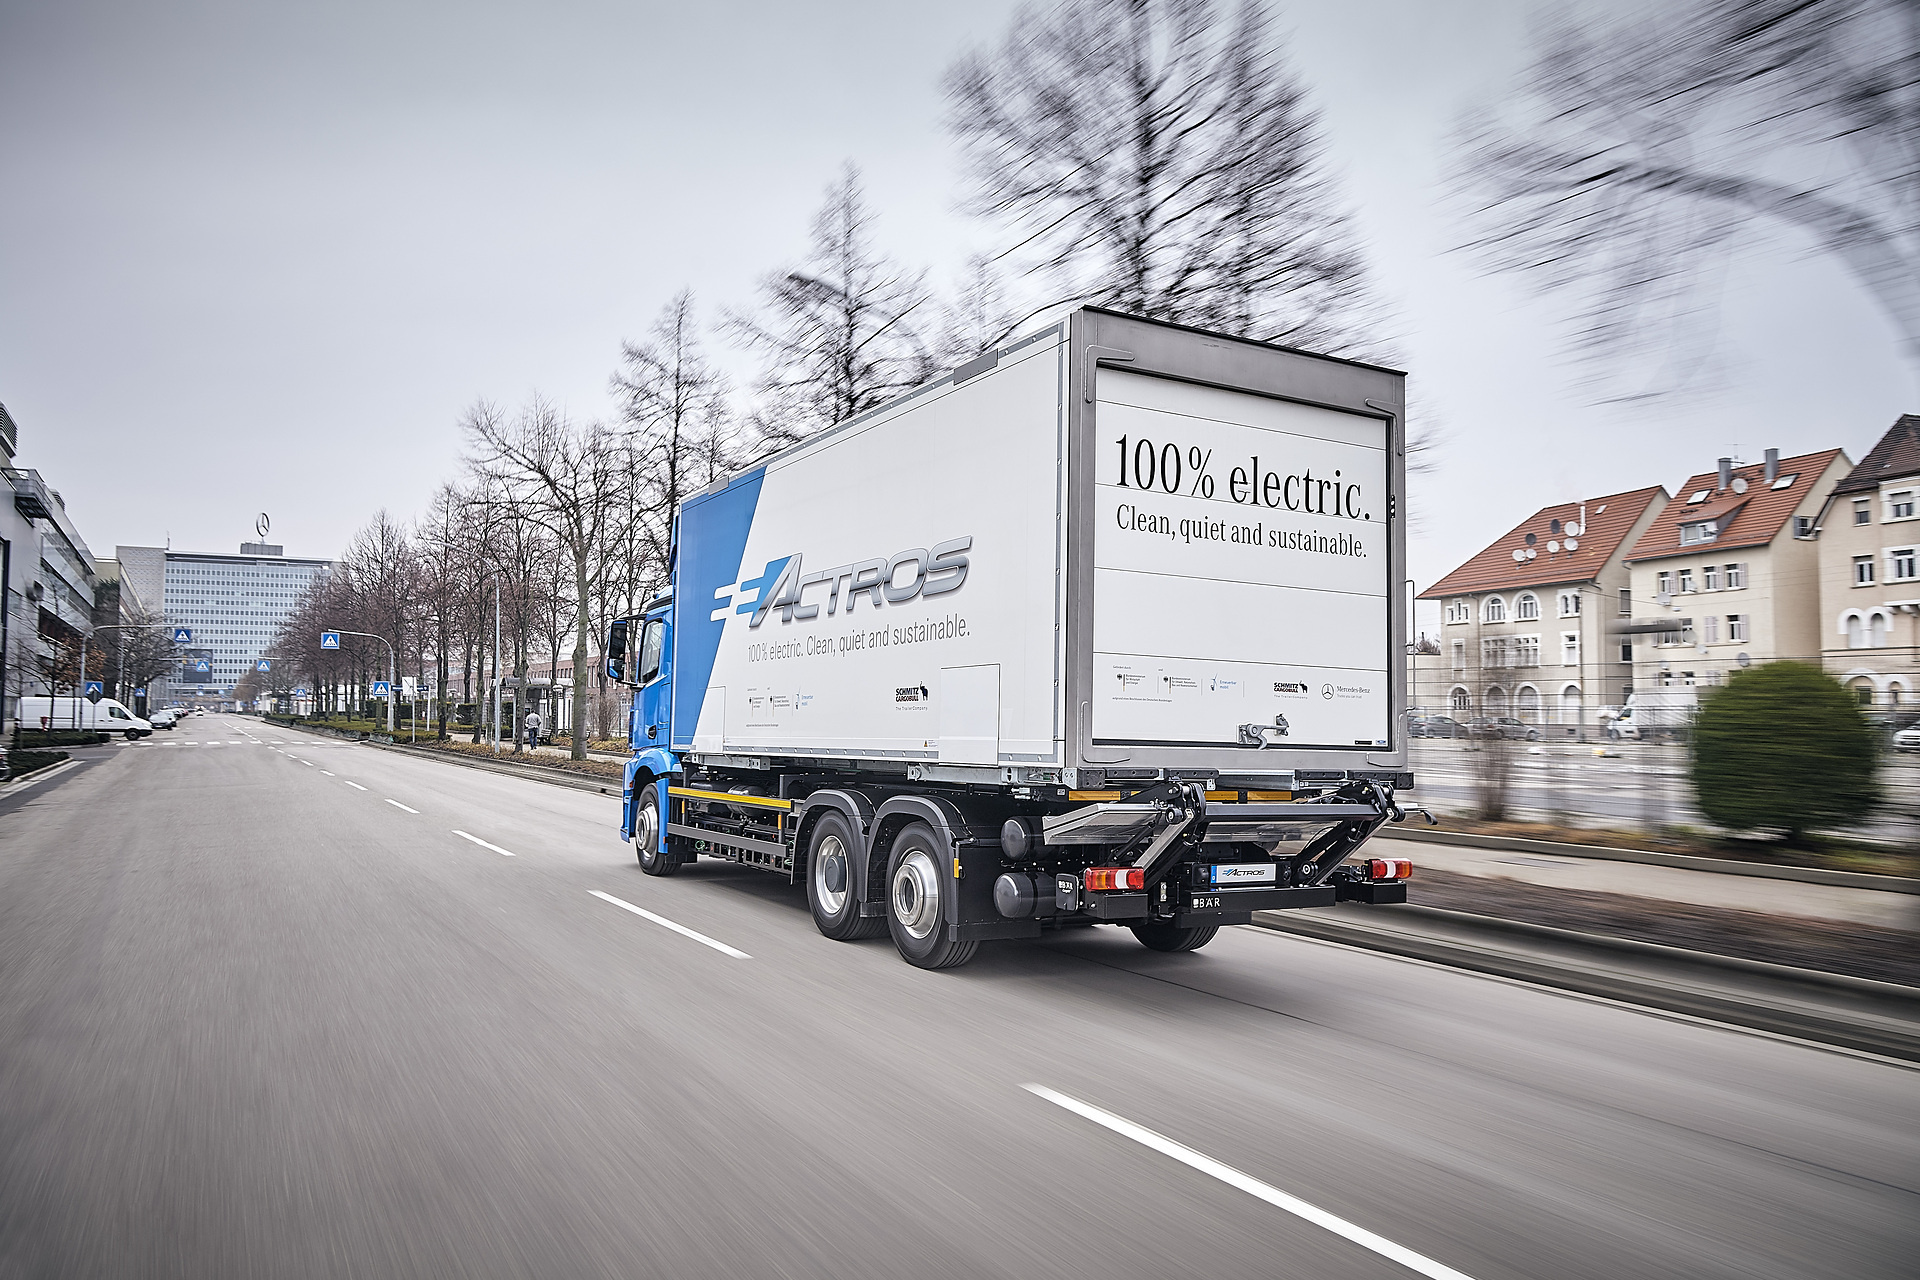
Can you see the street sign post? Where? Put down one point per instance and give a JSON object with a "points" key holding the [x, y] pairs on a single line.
{"points": [[329, 639], [382, 689], [95, 689]]}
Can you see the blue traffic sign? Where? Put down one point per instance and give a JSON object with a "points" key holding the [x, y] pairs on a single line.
{"points": [[299, 693], [139, 693], [95, 687], [264, 664], [381, 688], [329, 639], [183, 635], [203, 665]]}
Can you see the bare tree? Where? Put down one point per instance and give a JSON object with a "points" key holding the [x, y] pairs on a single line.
{"points": [[1640, 153], [1156, 157], [564, 479], [841, 333]]}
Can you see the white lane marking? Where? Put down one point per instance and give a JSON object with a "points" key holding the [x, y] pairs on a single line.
{"points": [[396, 804], [484, 845], [665, 923], [1252, 1186], [350, 782], [307, 763], [279, 742], [326, 773], [235, 742]]}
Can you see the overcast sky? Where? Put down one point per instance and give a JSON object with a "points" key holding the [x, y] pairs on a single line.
{"points": [[259, 257]]}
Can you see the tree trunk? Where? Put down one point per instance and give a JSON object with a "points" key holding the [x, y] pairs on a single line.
{"points": [[580, 683]]}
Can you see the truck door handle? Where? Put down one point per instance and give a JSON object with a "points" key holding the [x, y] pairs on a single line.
{"points": [[653, 731]]}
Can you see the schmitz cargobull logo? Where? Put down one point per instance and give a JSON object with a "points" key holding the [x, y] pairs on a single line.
{"points": [[906, 575]]}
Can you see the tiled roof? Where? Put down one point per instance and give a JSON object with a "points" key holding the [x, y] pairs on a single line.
{"points": [[1750, 519], [1609, 520], [1897, 455]]}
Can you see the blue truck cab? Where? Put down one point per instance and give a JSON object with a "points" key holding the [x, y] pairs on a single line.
{"points": [[640, 652]]}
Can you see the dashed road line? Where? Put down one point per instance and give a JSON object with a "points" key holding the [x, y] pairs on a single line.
{"points": [[396, 804], [1226, 1173], [350, 782], [665, 923], [505, 853]]}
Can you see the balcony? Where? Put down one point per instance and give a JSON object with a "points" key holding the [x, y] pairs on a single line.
{"points": [[30, 495]]}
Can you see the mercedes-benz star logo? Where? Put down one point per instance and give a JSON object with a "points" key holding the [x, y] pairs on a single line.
{"points": [[262, 525]]}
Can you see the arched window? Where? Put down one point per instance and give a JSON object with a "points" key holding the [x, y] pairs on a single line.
{"points": [[1896, 693], [1528, 704], [1570, 704], [1495, 610], [1460, 699], [1526, 608], [1496, 704], [1876, 629], [1863, 691], [1856, 632]]}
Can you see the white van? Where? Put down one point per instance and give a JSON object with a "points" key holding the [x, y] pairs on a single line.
{"points": [[105, 716]]}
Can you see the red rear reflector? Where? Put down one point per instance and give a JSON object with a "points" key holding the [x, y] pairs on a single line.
{"points": [[1389, 869], [1115, 877]]}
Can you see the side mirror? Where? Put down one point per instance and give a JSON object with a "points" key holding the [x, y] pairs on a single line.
{"points": [[617, 652]]}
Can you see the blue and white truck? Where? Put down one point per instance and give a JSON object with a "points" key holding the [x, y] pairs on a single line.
{"points": [[1104, 627]]}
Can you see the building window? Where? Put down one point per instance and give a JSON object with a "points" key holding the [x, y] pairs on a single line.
{"points": [[1664, 583], [1526, 608], [1876, 630], [1699, 531], [1902, 504], [1711, 629], [1626, 602], [1459, 611], [1495, 610], [1860, 513], [1570, 648], [1710, 578], [1569, 604], [1863, 571], [1903, 565], [1863, 692], [1459, 655], [1495, 653], [1527, 704], [1736, 576], [1526, 651], [1626, 651], [1803, 526], [1461, 700], [1686, 582], [1736, 626]]}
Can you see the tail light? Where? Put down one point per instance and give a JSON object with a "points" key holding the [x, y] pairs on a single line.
{"points": [[1390, 869], [1115, 877]]}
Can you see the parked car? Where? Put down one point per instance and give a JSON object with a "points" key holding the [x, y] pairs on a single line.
{"points": [[1435, 727], [1907, 739], [164, 719], [1501, 727]]}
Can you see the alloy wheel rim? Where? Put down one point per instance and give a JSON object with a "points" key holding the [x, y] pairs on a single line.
{"points": [[916, 895], [831, 854]]}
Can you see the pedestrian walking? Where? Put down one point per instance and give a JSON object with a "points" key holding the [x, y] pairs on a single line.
{"points": [[533, 728]]}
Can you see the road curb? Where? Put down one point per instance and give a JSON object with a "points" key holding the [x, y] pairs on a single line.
{"points": [[1853, 1013], [1682, 861], [536, 773]]}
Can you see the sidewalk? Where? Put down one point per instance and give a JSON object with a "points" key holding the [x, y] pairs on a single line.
{"points": [[1670, 884]]}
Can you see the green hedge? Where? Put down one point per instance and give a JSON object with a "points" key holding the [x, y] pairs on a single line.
{"points": [[25, 762]]}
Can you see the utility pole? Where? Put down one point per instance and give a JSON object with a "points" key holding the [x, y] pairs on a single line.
{"points": [[393, 669], [496, 664]]}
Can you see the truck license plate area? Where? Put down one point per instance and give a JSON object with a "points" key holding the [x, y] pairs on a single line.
{"points": [[1240, 873]]}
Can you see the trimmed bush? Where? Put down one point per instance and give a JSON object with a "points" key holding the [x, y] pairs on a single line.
{"points": [[1783, 747]]}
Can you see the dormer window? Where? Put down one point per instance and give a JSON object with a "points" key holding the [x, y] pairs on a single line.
{"points": [[1699, 497], [1699, 531]]}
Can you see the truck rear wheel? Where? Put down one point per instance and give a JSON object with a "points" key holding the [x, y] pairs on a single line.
{"points": [[918, 888], [832, 895], [1162, 935], [646, 836]]}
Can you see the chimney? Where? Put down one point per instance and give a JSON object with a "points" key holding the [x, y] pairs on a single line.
{"points": [[1726, 473], [1773, 465]]}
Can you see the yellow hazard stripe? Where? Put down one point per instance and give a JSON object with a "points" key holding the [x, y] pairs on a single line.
{"points": [[765, 802]]}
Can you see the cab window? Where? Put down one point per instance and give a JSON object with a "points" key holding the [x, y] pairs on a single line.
{"points": [[115, 713], [650, 646]]}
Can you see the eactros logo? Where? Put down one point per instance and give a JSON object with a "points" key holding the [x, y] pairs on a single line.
{"points": [[901, 577]]}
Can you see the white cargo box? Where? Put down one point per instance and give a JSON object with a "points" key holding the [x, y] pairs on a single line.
{"points": [[1113, 545]]}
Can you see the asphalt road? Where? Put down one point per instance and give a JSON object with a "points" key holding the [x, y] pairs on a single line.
{"points": [[264, 1013]]}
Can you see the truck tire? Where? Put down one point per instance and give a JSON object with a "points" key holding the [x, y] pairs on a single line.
{"points": [[1162, 935], [832, 895], [646, 836], [918, 886]]}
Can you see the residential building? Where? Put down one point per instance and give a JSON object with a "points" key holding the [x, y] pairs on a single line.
{"points": [[233, 605], [1869, 557], [49, 580], [1526, 622], [1729, 574]]}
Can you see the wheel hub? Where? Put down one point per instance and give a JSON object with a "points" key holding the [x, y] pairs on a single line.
{"points": [[830, 875], [916, 894]]}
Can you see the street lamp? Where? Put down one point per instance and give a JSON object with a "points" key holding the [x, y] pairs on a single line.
{"points": [[393, 664]]}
